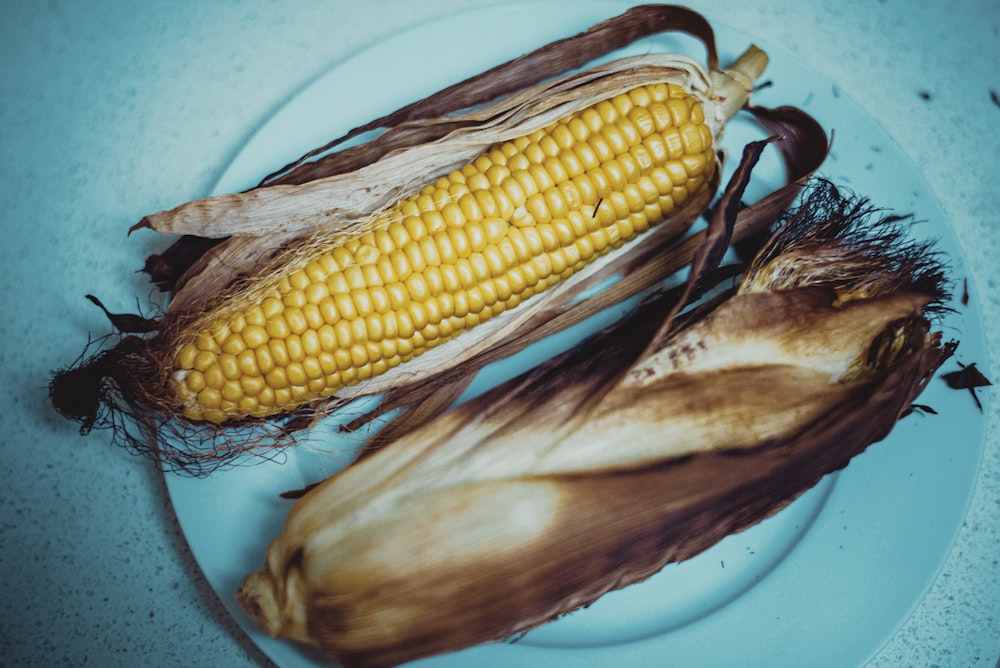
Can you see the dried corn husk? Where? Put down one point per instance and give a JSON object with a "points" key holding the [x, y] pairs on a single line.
{"points": [[644, 445], [339, 193]]}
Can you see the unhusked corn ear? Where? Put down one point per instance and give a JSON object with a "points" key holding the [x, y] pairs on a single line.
{"points": [[523, 216]]}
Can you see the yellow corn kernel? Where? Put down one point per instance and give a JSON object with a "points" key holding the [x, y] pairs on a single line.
{"points": [[252, 386], [283, 398], [310, 343], [267, 399], [195, 381], [279, 353], [186, 356], [265, 361], [295, 298], [313, 316], [345, 305], [293, 344], [277, 327], [365, 253], [209, 398]]}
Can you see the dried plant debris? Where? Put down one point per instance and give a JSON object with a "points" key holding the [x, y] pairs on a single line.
{"points": [[968, 377]]}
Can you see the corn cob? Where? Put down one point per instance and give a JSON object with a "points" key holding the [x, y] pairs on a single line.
{"points": [[326, 285], [595, 470], [525, 215]]}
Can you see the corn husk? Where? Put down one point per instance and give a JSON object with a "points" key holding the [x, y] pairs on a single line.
{"points": [[644, 445], [340, 192]]}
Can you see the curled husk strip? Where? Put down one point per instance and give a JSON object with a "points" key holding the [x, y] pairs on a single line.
{"points": [[644, 445]]}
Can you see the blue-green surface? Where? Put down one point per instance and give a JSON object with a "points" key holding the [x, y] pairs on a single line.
{"points": [[112, 110]]}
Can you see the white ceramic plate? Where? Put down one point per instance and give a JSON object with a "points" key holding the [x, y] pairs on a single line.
{"points": [[831, 576]]}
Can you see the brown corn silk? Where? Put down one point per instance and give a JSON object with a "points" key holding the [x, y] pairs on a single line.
{"points": [[269, 224], [644, 445]]}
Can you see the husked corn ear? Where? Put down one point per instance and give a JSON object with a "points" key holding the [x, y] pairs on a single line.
{"points": [[523, 216]]}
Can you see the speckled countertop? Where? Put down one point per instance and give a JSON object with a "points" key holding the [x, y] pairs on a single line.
{"points": [[110, 110]]}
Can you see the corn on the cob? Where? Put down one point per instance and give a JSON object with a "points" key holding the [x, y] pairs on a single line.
{"points": [[344, 285], [592, 472], [523, 216]]}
